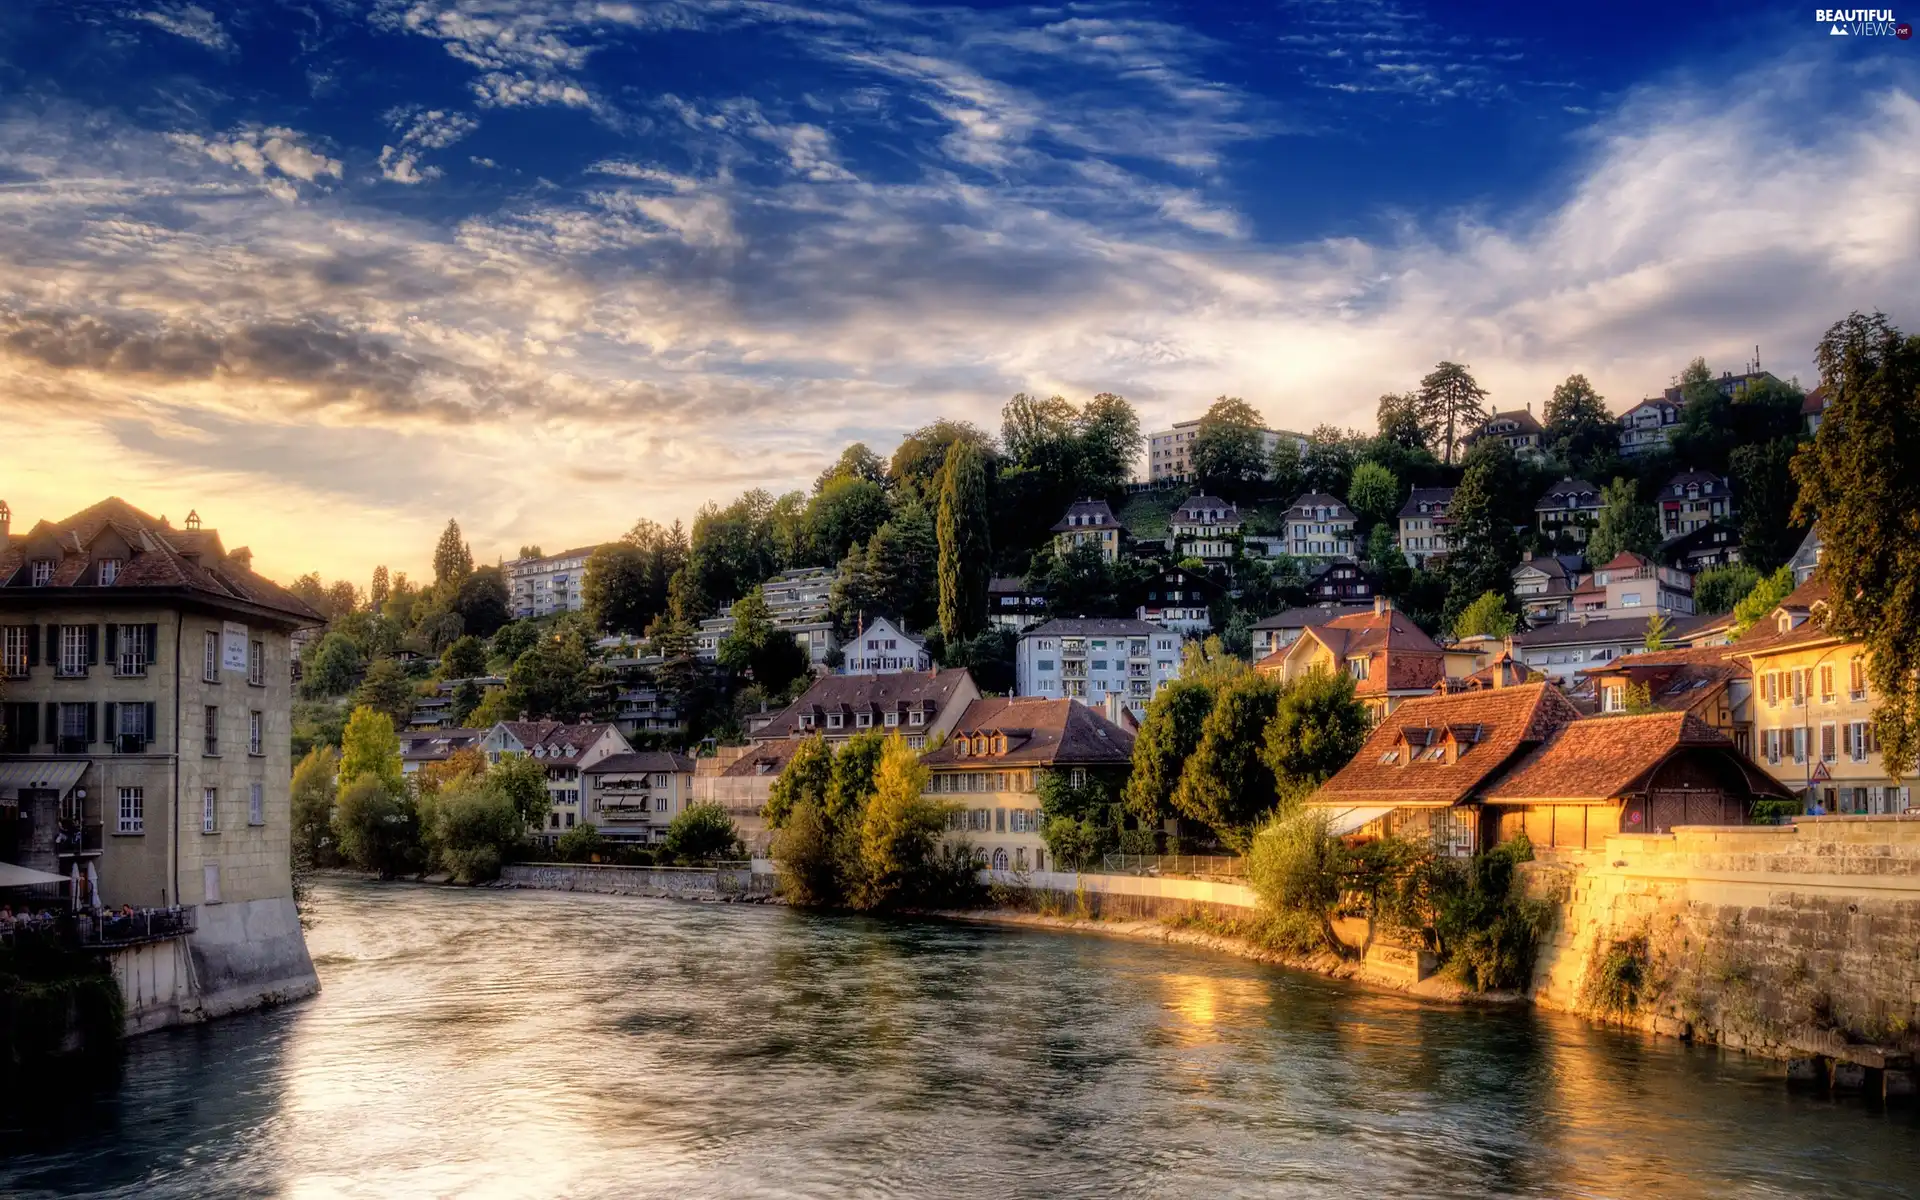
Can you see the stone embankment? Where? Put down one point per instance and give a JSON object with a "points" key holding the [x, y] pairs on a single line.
{"points": [[740, 883]]}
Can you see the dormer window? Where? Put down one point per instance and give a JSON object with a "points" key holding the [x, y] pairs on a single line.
{"points": [[806, 720], [40, 572], [106, 571], [916, 718], [835, 720]]}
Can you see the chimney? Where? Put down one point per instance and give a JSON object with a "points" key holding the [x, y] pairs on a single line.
{"points": [[6, 521]]}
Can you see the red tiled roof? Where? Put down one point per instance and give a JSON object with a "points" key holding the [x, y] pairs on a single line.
{"points": [[1039, 732], [1400, 655], [1805, 604], [1599, 759], [1509, 721]]}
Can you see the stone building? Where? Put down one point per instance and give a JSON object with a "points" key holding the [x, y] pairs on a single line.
{"points": [[148, 733]]}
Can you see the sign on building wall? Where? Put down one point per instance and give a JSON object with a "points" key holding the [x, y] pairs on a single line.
{"points": [[233, 646]]}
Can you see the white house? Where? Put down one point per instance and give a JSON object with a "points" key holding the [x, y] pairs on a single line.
{"points": [[549, 584], [1424, 524], [1646, 426], [1089, 659], [564, 750], [883, 648]]}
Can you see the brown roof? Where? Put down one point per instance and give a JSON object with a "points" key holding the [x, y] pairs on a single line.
{"points": [[640, 761], [901, 691], [1598, 759], [1093, 514], [1400, 655], [765, 758], [160, 558], [1503, 723], [557, 735], [1300, 618], [1805, 604], [1038, 733], [438, 745]]}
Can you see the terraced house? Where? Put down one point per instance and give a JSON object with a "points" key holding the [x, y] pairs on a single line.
{"points": [[565, 751], [148, 701]]}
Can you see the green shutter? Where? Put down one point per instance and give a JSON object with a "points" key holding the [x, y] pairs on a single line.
{"points": [[109, 721], [151, 733]]}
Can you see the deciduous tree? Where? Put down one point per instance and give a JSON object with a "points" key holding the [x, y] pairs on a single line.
{"points": [[386, 689], [703, 833], [1317, 726], [1579, 429], [1226, 784], [1487, 616], [900, 830], [482, 602], [1229, 448], [1717, 589], [1374, 493], [1625, 525]]}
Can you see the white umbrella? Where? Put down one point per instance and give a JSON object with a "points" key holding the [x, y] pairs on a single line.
{"points": [[73, 893], [93, 885], [12, 876]]}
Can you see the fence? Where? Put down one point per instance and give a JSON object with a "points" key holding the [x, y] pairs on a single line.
{"points": [[1194, 866]]}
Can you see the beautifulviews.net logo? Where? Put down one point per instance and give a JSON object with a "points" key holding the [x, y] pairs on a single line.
{"points": [[1862, 22]]}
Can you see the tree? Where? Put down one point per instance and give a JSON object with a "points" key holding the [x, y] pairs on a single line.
{"points": [[1229, 448], [1317, 727], [381, 589], [482, 602], [1450, 405], [617, 591], [900, 830], [1226, 784], [1762, 599], [987, 656], [1579, 428], [1398, 420], [1298, 867], [1717, 589], [1485, 546], [1329, 461], [1287, 468], [1625, 526], [703, 833], [530, 551], [469, 826], [580, 844], [330, 667], [965, 546], [758, 648], [804, 780], [903, 562], [733, 549], [1374, 493], [1658, 630], [1041, 434], [452, 560], [523, 781], [1110, 443], [313, 792], [855, 462], [553, 679], [917, 465], [492, 708], [370, 748], [386, 689], [1079, 823], [1763, 480], [1079, 583], [1858, 478], [1487, 616], [843, 514], [465, 659], [467, 698], [376, 827], [511, 641], [856, 765]]}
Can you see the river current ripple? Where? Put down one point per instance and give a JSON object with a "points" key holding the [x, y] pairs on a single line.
{"points": [[507, 1044]]}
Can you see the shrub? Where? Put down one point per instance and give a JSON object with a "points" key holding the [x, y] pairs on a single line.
{"points": [[581, 844], [469, 826], [1617, 976], [1297, 867], [1486, 928], [703, 833], [376, 828]]}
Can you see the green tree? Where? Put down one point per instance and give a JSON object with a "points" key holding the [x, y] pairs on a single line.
{"points": [[554, 678], [1762, 598], [530, 550], [804, 780], [1229, 448], [1488, 615], [313, 792], [703, 833], [1763, 480], [1858, 479], [918, 464], [1659, 629], [845, 513], [855, 462], [386, 689], [370, 747], [903, 563], [465, 659], [580, 844], [1486, 548], [1330, 460], [1041, 435], [1287, 468], [482, 602], [380, 590], [1625, 525], [851, 782], [1297, 868], [376, 827], [1399, 422], [965, 545], [900, 830], [468, 827], [494, 706], [1110, 443], [1579, 428], [1374, 493], [987, 656], [757, 647], [618, 590], [509, 642], [733, 549], [1717, 589], [1079, 824], [1317, 726], [1451, 405], [452, 560], [1226, 784], [523, 781], [467, 698], [330, 667]]}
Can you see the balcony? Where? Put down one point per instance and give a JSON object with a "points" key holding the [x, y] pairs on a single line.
{"points": [[83, 840], [70, 743], [130, 743]]}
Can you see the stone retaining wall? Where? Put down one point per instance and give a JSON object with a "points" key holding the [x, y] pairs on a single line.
{"points": [[1787, 940], [1122, 897], [692, 883]]}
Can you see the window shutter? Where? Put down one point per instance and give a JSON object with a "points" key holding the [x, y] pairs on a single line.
{"points": [[113, 644], [109, 714], [33, 645], [93, 644], [93, 723], [53, 723], [150, 730], [153, 646], [53, 645]]}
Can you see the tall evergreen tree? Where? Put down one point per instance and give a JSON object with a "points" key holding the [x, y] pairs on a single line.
{"points": [[1451, 405], [1486, 549], [1228, 783], [1764, 486], [903, 561], [965, 545], [452, 560], [381, 589], [1859, 479]]}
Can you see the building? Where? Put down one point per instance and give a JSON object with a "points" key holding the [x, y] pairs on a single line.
{"points": [[425, 748], [1389, 657], [992, 766], [883, 648], [1471, 769], [564, 751], [641, 707], [1700, 681], [1730, 385], [1647, 427], [1560, 651], [1631, 582], [1693, 499], [1283, 629], [797, 602], [1170, 451], [1338, 581], [1088, 660], [1089, 522], [1011, 604], [1568, 511], [634, 797], [1813, 709], [1519, 429], [1207, 528], [1711, 545], [148, 725], [1806, 557], [919, 705], [1179, 599], [554, 583], [1319, 526], [1545, 585], [1424, 526], [1813, 410]]}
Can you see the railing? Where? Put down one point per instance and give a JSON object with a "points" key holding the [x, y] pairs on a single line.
{"points": [[83, 839], [1199, 866], [104, 931]]}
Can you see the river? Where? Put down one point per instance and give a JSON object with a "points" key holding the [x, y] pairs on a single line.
{"points": [[503, 1044]]}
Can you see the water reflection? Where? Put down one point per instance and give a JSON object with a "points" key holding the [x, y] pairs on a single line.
{"points": [[490, 1044]]}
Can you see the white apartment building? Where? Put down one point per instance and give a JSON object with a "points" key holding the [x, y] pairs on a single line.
{"points": [[1090, 659], [1646, 426], [1170, 451], [553, 584], [883, 648], [797, 602]]}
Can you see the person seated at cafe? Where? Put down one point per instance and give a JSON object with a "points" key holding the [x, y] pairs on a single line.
{"points": [[126, 910]]}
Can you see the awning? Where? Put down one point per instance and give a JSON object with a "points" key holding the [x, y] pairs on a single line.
{"points": [[1346, 820], [41, 776], [12, 876]]}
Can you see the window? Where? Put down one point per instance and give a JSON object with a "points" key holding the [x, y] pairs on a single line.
{"points": [[15, 650], [41, 573], [1828, 751], [130, 651], [1826, 683], [257, 663], [132, 728], [835, 720], [1630, 600], [659, 804], [1771, 740], [862, 720], [1800, 744], [209, 810], [1044, 664], [916, 718], [569, 820], [1857, 678], [1077, 777], [256, 804], [256, 730], [1612, 699], [107, 571], [890, 719], [1797, 680], [1357, 667], [1857, 741], [1770, 688], [73, 649], [133, 810], [661, 779], [210, 664], [211, 719]]}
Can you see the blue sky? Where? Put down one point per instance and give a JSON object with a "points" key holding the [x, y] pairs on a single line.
{"points": [[551, 265]]}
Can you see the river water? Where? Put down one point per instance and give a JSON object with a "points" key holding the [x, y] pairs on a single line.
{"points": [[502, 1044]]}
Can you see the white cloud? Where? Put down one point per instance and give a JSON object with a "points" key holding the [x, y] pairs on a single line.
{"points": [[421, 130], [275, 155], [189, 21]]}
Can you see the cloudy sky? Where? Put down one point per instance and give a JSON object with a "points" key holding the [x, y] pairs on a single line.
{"points": [[333, 270]]}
